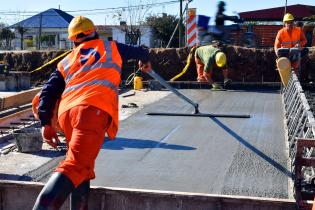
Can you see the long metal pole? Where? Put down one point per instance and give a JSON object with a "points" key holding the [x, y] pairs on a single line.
{"points": [[40, 30], [180, 23], [176, 92], [185, 24], [285, 7]]}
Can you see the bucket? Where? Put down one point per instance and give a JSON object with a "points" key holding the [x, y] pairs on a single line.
{"points": [[137, 83], [284, 69], [28, 140]]}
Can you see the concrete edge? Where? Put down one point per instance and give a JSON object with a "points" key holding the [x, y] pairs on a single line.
{"points": [[129, 198]]}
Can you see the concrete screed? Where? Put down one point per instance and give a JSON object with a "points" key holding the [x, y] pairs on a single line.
{"points": [[204, 155]]}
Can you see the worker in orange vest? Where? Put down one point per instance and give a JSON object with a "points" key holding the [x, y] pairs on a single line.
{"points": [[290, 36], [86, 82]]}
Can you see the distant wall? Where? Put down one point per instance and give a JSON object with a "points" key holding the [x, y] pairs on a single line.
{"points": [[266, 34]]}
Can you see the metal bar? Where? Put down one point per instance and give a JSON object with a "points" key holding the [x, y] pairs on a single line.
{"points": [[176, 92], [28, 119], [7, 127], [17, 123], [198, 115]]}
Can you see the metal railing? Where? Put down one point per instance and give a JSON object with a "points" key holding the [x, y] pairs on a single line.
{"points": [[301, 136]]}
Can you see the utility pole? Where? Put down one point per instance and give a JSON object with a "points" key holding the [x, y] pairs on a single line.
{"points": [[180, 23], [40, 30], [285, 7]]}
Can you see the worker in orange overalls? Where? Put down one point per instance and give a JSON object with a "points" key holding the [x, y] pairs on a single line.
{"points": [[290, 36], [207, 58], [86, 83]]}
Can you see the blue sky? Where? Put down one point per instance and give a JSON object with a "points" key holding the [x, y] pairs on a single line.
{"points": [[204, 7]]}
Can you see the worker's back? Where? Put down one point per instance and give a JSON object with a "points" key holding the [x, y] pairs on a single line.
{"points": [[92, 74]]}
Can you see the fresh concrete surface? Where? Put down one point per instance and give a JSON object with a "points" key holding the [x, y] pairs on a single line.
{"points": [[17, 166], [246, 157]]}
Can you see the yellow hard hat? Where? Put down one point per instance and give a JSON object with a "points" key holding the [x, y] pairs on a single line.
{"points": [[288, 17], [79, 25], [220, 59]]}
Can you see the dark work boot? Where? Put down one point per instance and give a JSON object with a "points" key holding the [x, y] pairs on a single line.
{"points": [[80, 196], [54, 193]]}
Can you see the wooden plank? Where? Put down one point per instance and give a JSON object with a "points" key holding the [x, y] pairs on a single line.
{"points": [[19, 99]]}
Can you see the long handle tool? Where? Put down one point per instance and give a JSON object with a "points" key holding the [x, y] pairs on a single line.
{"points": [[176, 92], [180, 95]]}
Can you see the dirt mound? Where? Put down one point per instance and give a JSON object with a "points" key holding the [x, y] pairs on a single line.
{"points": [[245, 64]]}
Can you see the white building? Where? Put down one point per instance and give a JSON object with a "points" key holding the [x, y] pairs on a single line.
{"points": [[51, 25], [117, 33]]}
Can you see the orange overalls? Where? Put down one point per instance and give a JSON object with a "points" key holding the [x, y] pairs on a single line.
{"points": [[89, 105], [289, 39]]}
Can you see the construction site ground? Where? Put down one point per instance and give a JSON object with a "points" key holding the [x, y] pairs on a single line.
{"points": [[246, 157]]}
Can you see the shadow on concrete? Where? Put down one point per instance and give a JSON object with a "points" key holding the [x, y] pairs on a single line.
{"points": [[14, 177], [124, 143], [252, 148], [49, 153]]}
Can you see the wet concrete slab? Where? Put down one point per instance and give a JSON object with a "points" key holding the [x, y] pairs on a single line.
{"points": [[204, 155], [37, 166]]}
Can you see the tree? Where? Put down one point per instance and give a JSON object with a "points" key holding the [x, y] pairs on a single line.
{"points": [[21, 31], [163, 27], [132, 19], [7, 35]]}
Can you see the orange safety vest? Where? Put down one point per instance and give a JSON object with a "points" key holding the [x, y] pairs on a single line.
{"points": [[92, 75], [288, 40]]}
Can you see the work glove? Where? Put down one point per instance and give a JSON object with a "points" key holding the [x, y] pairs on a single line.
{"points": [[50, 136], [145, 67], [208, 78]]}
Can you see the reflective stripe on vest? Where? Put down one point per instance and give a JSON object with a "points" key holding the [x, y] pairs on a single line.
{"points": [[66, 65], [290, 42], [104, 83], [107, 64]]}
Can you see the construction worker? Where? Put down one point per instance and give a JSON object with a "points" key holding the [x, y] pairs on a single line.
{"points": [[220, 17], [86, 82], [290, 36], [207, 58], [220, 32]]}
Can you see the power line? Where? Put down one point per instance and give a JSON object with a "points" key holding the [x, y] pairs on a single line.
{"points": [[132, 7]]}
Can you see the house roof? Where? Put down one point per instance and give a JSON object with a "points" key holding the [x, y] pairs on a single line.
{"points": [[299, 11], [51, 18]]}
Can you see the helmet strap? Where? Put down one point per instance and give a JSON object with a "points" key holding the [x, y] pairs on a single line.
{"points": [[82, 39]]}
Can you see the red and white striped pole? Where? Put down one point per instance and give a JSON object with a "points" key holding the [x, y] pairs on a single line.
{"points": [[191, 27]]}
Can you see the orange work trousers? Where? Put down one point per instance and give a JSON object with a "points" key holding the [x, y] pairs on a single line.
{"points": [[202, 75], [84, 127]]}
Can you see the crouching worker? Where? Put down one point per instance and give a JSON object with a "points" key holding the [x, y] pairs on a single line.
{"points": [[86, 83], [207, 58]]}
